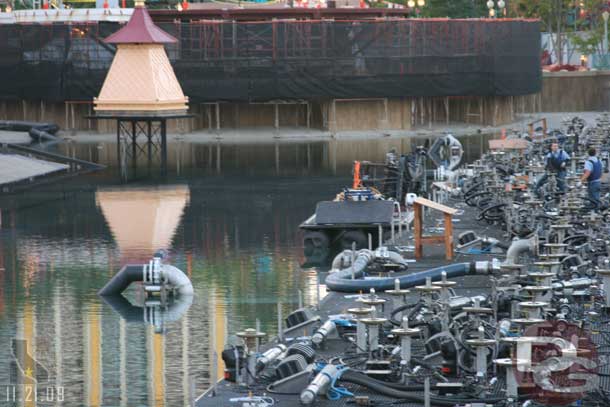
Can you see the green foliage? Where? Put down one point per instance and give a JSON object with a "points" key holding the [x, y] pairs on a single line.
{"points": [[589, 42], [455, 8], [562, 15], [581, 22], [591, 28], [550, 12], [445, 8]]}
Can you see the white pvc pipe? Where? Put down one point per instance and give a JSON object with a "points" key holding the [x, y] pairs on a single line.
{"points": [[177, 278]]}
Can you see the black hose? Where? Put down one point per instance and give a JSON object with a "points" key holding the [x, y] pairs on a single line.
{"points": [[414, 309], [469, 199], [16, 125], [399, 386], [37, 131], [493, 217], [568, 240], [382, 388], [403, 307], [472, 189], [483, 203], [503, 245], [420, 362]]}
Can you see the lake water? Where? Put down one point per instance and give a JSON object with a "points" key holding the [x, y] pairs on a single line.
{"points": [[228, 215]]}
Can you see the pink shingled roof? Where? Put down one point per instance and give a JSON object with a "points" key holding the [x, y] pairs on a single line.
{"points": [[140, 30]]}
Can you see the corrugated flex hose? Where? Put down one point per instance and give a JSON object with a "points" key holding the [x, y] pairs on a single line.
{"points": [[341, 280]]}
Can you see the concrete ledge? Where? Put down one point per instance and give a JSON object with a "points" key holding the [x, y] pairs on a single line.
{"points": [[574, 74], [575, 91]]}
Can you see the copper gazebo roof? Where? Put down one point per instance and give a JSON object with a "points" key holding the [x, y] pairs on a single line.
{"points": [[140, 30]]}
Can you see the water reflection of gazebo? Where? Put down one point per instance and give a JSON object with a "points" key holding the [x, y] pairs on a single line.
{"points": [[143, 219]]}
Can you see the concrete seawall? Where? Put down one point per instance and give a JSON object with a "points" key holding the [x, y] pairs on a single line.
{"points": [[333, 115], [561, 92], [575, 91]]}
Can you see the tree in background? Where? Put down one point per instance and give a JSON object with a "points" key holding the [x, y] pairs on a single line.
{"points": [[588, 35], [553, 15], [455, 8], [444, 8], [562, 19]]}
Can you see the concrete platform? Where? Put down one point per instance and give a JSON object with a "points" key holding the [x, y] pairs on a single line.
{"points": [[15, 168]]}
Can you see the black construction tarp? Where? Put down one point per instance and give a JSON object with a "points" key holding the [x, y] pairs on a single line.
{"points": [[301, 59]]}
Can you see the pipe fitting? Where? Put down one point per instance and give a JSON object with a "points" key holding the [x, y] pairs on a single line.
{"points": [[319, 384]]}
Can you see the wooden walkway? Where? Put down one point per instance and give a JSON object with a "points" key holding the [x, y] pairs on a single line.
{"points": [[15, 168]]}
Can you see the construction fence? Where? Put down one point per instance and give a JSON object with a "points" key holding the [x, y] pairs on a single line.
{"points": [[287, 59]]}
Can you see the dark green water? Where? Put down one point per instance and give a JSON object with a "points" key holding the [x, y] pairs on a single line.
{"points": [[228, 215]]}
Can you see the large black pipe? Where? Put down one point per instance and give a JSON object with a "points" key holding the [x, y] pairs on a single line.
{"points": [[16, 125], [127, 275], [41, 135], [37, 131]]}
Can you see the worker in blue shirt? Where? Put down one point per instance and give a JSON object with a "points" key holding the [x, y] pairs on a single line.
{"points": [[593, 175], [556, 162]]}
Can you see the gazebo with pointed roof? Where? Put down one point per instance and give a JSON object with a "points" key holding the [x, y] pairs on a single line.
{"points": [[141, 90], [141, 80]]}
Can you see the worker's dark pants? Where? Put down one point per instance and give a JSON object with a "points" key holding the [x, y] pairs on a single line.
{"points": [[561, 181], [593, 189]]}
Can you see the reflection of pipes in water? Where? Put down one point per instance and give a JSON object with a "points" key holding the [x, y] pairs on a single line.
{"points": [[152, 312]]}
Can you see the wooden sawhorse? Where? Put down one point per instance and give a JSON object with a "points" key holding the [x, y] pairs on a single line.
{"points": [[447, 238]]}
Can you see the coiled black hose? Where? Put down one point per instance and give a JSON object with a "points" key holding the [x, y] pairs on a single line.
{"points": [[471, 189], [490, 216], [470, 199], [483, 203], [576, 240]]}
